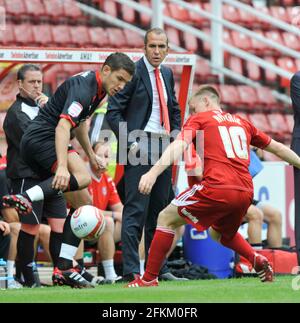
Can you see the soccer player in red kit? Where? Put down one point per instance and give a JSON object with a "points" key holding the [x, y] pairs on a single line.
{"points": [[220, 201]]}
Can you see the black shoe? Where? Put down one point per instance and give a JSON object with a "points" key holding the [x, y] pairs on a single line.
{"points": [[93, 280], [129, 277], [170, 276], [74, 279]]}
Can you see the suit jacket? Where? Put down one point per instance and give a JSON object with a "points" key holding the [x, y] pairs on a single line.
{"points": [[134, 103], [295, 96]]}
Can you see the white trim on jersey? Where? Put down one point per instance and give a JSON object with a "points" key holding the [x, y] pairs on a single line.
{"points": [[182, 200]]}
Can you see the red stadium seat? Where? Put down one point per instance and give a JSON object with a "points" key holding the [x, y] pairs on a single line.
{"points": [[230, 96], [80, 36], [7, 36], [23, 35], [260, 121], [116, 37], [190, 42], [173, 35], [128, 14], [203, 72], [35, 9], [259, 47], [248, 96], [291, 40], [195, 18], [54, 9], [265, 98], [110, 7], [278, 124], [247, 19], [279, 13], [144, 18], [231, 13], [133, 39], [98, 37], [73, 13], [241, 40], [288, 64], [290, 122], [292, 12], [270, 76], [277, 38], [72, 69], [15, 9], [42, 36], [235, 64], [253, 71], [244, 115], [61, 35], [178, 13]]}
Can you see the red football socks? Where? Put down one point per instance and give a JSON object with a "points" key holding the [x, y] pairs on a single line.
{"points": [[159, 248]]}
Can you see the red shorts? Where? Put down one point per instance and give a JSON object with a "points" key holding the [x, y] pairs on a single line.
{"points": [[221, 209]]}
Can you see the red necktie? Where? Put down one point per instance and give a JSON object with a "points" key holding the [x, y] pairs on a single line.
{"points": [[164, 114]]}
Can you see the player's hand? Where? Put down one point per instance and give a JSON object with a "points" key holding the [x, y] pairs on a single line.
{"points": [[61, 178], [146, 183], [97, 164], [41, 100], [4, 227]]}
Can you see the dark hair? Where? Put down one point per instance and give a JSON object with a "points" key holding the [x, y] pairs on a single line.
{"points": [[27, 67], [157, 31], [209, 90], [117, 61]]}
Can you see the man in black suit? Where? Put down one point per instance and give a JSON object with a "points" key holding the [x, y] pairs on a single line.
{"points": [[295, 95], [150, 109]]}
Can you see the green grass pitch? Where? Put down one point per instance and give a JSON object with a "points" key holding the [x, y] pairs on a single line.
{"points": [[200, 291]]}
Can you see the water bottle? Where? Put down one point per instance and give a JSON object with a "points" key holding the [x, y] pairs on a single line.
{"points": [[3, 274]]}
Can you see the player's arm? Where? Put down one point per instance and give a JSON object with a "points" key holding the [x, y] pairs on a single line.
{"points": [[172, 153], [82, 136], [283, 152], [62, 139]]}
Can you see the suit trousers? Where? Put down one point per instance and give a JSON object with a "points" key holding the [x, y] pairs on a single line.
{"points": [[141, 211]]}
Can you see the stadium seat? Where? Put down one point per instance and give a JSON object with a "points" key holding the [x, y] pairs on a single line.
{"points": [[133, 39], [270, 76], [241, 40], [244, 115], [278, 124], [292, 12], [288, 64], [145, 19], [7, 36], [246, 18], [231, 13], [260, 121], [128, 14], [235, 64], [279, 12], [277, 38], [61, 35], [173, 36], [42, 36], [110, 7], [80, 36], [258, 47], [203, 72], [98, 37], [23, 35], [35, 10], [73, 13], [266, 99], [15, 9], [54, 9], [230, 96], [116, 37], [190, 42], [72, 69], [253, 71], [291, 41], [195, 18], [248, 97], [178, 13]]}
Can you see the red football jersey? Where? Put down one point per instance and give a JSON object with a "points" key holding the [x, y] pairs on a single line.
{"points": [[227, 141], [104, 192]]}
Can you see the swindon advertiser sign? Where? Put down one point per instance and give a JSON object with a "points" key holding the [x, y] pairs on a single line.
{"points": [[81, 56]]}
